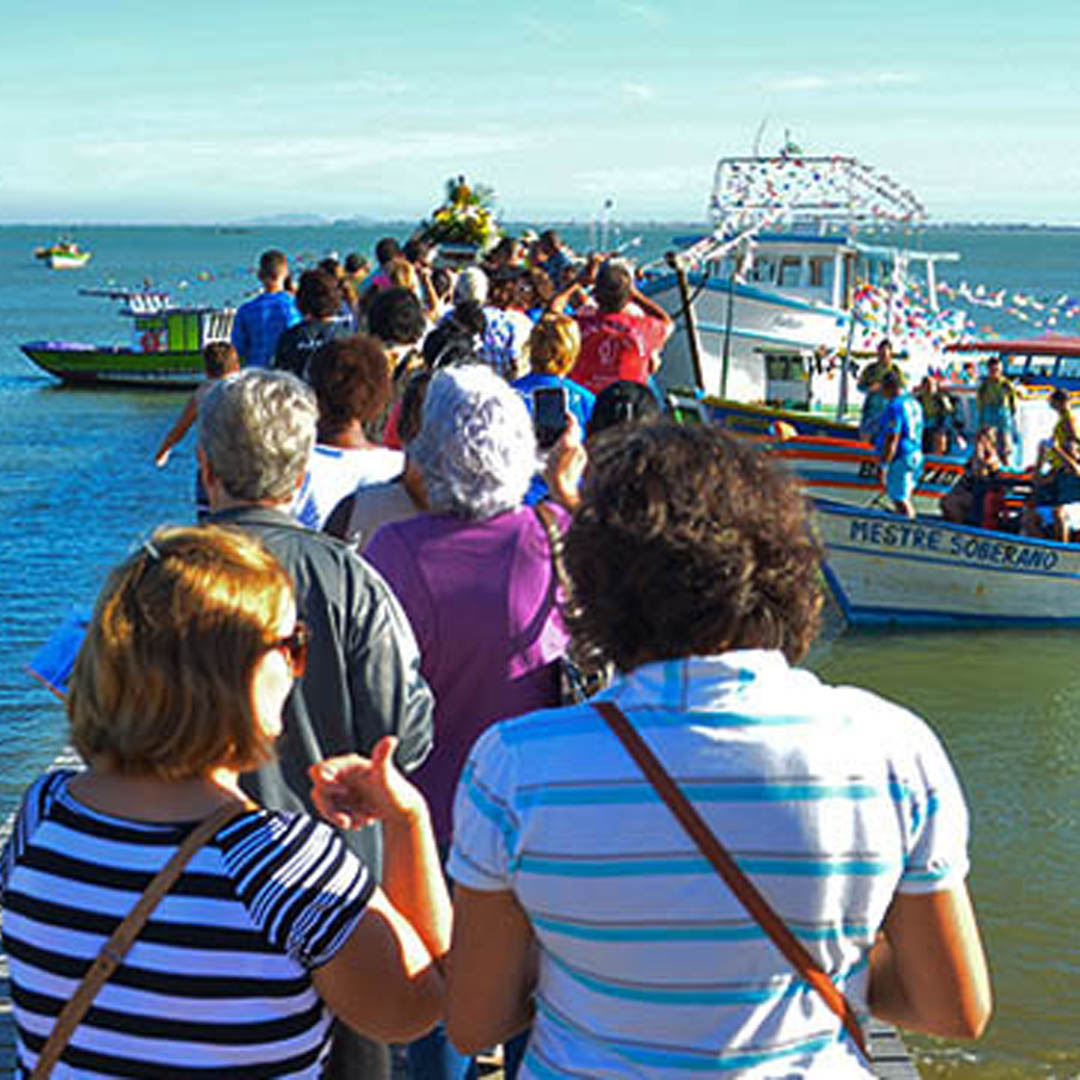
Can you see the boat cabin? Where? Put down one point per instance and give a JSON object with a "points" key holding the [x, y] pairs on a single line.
{"points": [[1049, 361]]}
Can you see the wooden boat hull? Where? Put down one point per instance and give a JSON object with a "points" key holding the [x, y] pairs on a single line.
{"points": [[848, 472], [95, 366], [761, 420], [886, 570]]}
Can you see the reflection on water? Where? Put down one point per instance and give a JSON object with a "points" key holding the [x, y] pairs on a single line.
{"points": [[1007, 707]]}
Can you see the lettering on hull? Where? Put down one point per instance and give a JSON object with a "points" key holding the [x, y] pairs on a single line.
{"points": [[911, 536]]}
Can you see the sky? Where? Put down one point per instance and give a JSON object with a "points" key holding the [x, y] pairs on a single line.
{"points": [[116, 111]]}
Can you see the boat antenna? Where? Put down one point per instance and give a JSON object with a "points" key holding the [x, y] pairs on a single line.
{"points": [[756, 152]]}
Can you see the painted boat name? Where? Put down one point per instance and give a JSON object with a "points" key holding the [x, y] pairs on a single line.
{"points": [[901, 534]]}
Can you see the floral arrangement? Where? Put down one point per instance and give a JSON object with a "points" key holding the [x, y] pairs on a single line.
{"points": [[467, 216]]}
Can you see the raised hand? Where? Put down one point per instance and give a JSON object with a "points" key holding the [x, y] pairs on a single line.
{"points": [[352, 791]]}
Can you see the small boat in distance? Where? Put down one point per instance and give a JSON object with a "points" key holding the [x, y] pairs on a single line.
{"points": [[63, 255], [166, 348]]}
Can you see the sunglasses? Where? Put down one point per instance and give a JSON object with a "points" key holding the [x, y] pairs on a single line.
{"points": [[295, 648]]}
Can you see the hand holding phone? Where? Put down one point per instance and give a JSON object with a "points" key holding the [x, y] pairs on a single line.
{"points": [[551, 416]]}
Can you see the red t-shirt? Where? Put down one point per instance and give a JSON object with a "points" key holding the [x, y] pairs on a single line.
{"points": [[616, 346]]}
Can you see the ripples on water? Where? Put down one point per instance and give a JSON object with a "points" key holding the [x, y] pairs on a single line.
{"points": [[80, 488]]}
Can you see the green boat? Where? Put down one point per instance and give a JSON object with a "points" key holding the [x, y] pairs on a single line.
{"points": [[166, 348]]}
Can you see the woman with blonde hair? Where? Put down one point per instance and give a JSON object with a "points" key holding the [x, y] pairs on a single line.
{"points": [[273, 925], [553, 351]]}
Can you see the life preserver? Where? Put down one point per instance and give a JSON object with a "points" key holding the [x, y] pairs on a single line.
{"points": [[151, 341]]}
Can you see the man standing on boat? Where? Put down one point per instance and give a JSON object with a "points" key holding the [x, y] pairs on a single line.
{"points": [[260, 322], [900, 442], [869, 383], [996, 400]]}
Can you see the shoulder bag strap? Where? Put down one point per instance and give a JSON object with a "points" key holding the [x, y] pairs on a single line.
{"points": [[115, 949], [728, 869]]}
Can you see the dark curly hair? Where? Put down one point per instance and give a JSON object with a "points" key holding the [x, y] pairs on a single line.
{"points": [[396, 317], [688, 542], [351, 380]]}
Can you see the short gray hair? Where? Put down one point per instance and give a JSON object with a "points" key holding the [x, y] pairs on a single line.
{"points": [[257, 430], [476, 447], [471, 284]]}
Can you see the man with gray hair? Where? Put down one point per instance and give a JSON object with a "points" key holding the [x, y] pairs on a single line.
{"points": [[363, 676]]}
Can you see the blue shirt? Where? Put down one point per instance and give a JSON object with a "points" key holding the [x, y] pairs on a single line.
{"points": [[258, 325], [903, 416], [579, 401]]}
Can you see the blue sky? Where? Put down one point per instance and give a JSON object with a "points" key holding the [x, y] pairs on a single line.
{"points": [[120, 111]]}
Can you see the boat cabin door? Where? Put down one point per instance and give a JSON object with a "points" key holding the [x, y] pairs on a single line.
{"points": [[787, 380]]}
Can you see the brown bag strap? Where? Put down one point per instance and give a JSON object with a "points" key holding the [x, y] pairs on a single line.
{"points": [[728, 869], [115, 949]]}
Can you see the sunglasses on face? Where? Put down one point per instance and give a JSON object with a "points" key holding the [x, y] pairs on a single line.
{"points": [[295, 648]]}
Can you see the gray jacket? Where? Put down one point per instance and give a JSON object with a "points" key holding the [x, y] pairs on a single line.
{"points": [[363, 676]]}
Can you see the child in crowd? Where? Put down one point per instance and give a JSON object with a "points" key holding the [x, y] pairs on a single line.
{"points": [[220, 361]]}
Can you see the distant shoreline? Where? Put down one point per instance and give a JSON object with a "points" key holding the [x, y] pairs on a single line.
{"points": [[399, 224]]}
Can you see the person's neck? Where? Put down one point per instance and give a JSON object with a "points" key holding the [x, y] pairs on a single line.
{"points": [[350, 436], [273, 286], [224, 501], [149, 798]]}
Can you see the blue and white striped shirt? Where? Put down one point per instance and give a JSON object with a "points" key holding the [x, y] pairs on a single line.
{"points": [[218, 981], [830, 799]]}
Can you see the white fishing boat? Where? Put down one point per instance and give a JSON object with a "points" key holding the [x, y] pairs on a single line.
{"points": [[774, 302], [63, 255], [888, 570]]}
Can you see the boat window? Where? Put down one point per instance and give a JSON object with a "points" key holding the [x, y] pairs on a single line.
{"points": [[821, 272], [784, 368], [790, 270], [1070, 367], [1041, 367], [764, 270]]}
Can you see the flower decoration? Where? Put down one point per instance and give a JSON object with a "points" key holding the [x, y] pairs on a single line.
{"points": [[466, 217]]}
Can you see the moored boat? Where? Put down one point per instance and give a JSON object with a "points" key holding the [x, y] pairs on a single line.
{"points": [[1050, 361], [888, 570], [774, 303], [63, 255], [166, 348]]}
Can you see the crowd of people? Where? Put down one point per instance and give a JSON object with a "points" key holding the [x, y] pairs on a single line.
{"points": [[437, 510], [991, 492]]}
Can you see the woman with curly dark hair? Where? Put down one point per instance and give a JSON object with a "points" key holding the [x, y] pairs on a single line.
{"points": [[582, 906]]}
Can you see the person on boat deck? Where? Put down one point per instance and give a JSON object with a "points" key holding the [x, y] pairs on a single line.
{"points": [[1055, 510], [260, 322], [318, 299], [900, 442], [606, 929], [939, 415], [977, 496], [995, 400], [618, 341], [870, 384]]}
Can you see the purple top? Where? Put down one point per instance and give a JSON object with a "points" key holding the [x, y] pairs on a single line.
{"points": [[481, 599]]}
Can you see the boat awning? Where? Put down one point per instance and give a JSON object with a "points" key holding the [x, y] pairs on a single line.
{"points": [[1045, 346]]}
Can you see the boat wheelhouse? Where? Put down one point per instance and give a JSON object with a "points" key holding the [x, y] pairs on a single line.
{"points": [[774, 303], [1053, 360]]}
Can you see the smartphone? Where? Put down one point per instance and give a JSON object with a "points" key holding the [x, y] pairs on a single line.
{"points": [[550, 414]]}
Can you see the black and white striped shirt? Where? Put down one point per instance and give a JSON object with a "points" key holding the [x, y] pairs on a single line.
{"points": [[219, 978]]}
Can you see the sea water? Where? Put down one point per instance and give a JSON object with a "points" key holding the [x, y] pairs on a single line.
{"points": [[79, 489]]}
